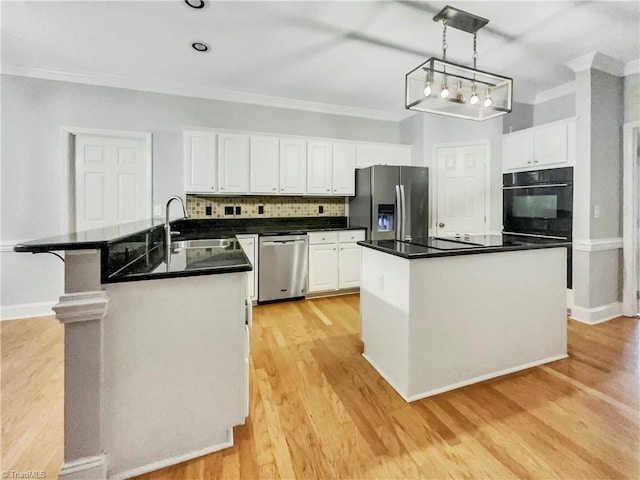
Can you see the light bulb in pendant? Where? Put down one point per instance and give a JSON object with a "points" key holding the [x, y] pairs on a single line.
{"points": [[459, 93], [444, 93], [427, 89], [474, 96], [487, 100]]}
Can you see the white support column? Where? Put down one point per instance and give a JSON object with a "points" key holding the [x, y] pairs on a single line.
{"points": [[81, 311]]}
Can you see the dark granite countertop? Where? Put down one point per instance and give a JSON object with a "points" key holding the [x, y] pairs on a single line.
{"points": [[135, 251], [474, 244]]}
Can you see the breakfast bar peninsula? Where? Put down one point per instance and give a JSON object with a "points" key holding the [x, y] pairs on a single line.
{"points": [[438, 314]]}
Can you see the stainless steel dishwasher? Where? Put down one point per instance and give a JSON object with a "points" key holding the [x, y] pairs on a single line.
{"points": [[282, 271]]}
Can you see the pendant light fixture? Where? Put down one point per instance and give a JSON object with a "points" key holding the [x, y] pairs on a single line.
{"points": [[478, 95]]}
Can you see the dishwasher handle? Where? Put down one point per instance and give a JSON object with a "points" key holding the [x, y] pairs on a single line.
{"points": [[283, 242]]}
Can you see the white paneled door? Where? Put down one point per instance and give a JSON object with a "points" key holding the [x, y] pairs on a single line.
{"points": [[461, 190], [112, 180]]}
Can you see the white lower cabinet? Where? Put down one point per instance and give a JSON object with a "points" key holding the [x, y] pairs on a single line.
{"points": [[334, 260], [249, 244], [349, 265]]}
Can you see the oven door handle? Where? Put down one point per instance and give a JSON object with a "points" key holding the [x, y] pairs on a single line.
{"points": [[546, 185]]}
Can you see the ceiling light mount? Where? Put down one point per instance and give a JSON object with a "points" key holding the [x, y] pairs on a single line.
{"points": [[200, 47], [469, 81], [197, 4]]}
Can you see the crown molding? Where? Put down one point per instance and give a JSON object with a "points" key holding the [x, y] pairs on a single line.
{"points": [[555, 92], [597, 61], [209, 93], [632, 68]]}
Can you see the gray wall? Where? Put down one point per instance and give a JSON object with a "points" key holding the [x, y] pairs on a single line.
{"points": [[555, 109], [33, 112], [412, 133], [632, 98], [521, 117]]}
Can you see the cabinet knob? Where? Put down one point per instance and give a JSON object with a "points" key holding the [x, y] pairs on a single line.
{"points": [[327, 189], [535, 161], [213, 188], [334, 249], [221, 188], [274, 189], [441, 225]]}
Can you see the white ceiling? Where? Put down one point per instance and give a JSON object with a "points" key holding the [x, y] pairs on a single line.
{"points": [[352, 54]]}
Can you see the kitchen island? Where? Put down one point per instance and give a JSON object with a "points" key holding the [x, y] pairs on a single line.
{"points": [[444, 314], [156, 347]]}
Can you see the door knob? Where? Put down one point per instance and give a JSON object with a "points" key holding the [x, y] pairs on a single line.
{"points": [[441, 225]]}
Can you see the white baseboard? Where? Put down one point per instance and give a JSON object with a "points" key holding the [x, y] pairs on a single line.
{"points": [[167, 462], [595, 315], [27, 310], [386, 377], [487, 376], [87, 468]]}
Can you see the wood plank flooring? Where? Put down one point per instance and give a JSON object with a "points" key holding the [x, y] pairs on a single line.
{"points": [[319, 410]]}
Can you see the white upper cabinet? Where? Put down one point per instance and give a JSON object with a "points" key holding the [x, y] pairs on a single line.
{"points": [[377, 154], [233, 163], [293, 166], [344, 167], [200, 162], [265, 161], [228, 162], [517, 150], [540, 147], [319, 167], [550, 144]]}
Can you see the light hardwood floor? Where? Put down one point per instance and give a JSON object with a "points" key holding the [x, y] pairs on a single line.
{"points": [[318, 410]]}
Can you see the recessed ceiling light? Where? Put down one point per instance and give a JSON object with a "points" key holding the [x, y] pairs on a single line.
{"points": [[195, 3], [200, 47]]}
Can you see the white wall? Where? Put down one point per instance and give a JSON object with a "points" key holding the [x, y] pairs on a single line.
{"points": [[33, 112], [632, 98], [412, 133]]}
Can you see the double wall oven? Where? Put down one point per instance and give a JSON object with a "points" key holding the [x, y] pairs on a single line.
{"points": [[539, 205]]}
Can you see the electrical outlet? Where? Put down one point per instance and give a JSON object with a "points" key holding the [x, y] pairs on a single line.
{"points": [[596, 211], [320, 209], [260, 209], [228, 210], [157, 210], [238, 210], [207, 210]]}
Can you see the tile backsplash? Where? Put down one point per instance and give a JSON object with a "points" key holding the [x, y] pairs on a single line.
{"points": [[274, 206]]}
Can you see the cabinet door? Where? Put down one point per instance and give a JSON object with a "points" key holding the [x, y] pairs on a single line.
{"points": [[349, 265], [398, 155], [293, 166], [249, 244], [517, 150], [367, 155], [265, 161], [233, 163], [200, 172], [344, 169], [323, 267], [319, 167], [550, 145]]}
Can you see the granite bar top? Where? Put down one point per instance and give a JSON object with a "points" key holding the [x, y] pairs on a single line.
{"points": [[454, 246], [136, 251]]}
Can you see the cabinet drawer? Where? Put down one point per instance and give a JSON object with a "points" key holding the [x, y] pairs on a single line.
{"points": [[317, 238], [350, 236]]}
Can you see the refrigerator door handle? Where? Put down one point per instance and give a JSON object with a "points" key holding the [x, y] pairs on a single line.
{"points": [[399, 209], [403, 200]]}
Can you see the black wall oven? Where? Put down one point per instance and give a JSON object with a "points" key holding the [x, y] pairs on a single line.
{"points": [[539, 204]]}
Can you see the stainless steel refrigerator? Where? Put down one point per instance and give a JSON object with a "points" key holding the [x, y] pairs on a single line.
{"points": [[391, 202]]}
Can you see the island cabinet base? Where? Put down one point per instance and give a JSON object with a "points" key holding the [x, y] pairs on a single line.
{"points": [[434, 324], [173, 370]]}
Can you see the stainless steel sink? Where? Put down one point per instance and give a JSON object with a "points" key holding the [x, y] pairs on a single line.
{"points": [[202, 243]]}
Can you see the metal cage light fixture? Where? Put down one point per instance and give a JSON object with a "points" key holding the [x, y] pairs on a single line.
{"points": [[445, 88]]}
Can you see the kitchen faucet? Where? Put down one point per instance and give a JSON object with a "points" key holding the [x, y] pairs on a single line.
{"points": [[167, 227]]}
